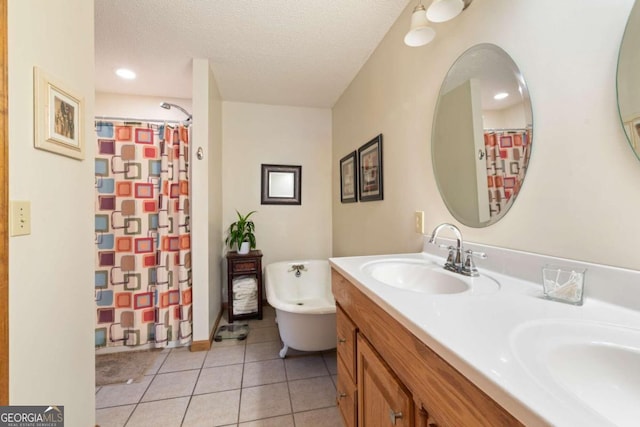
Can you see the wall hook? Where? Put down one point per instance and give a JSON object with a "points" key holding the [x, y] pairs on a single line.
{"points": [[200, 153]]}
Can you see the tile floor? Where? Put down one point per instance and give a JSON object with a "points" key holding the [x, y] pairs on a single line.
{"points": [[236, 383]]}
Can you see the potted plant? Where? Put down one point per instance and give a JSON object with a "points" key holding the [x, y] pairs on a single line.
{"points": [[241, 234]]}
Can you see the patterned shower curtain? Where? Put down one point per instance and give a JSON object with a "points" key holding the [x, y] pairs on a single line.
{"points": [[507, 156], [143, 243]]}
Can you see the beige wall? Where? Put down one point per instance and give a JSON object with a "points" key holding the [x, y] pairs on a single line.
{"points": [[51, 299], [580, 197], [254, 134]]}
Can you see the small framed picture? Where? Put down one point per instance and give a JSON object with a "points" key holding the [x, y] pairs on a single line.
{"points": [[58, 117], [370, 167], [349, 178], [281, 185]]}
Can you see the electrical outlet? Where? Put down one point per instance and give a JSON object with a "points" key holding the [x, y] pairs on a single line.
{"points": [[419, 222], [20, 217]]}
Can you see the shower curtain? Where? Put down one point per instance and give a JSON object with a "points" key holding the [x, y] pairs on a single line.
{"points": [[143, 243], [507, 156]]}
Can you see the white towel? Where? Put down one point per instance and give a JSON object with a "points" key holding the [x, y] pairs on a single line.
{"points": [[245, 306], [245, 295], [246, 287], [245, 299], [255, 310], [245, 281]]}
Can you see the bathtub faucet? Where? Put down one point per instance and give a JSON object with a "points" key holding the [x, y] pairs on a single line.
{"points": [[298, 268]]}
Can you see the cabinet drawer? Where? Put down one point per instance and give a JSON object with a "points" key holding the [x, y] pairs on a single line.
{"points": [[346, 398], [346, 342], [248, 266]]}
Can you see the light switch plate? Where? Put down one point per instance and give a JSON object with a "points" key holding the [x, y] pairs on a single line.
{"points": [[20, 217], [419, 222]]}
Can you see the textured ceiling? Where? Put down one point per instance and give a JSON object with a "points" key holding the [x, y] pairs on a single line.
{"points": [[281, 52]]}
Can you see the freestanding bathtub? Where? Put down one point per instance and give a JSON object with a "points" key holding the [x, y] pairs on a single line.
{"points": [[300, 291]]}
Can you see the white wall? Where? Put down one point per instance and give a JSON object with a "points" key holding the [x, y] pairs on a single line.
{"points": [[580, 197], [255, 134], [513, 117], [51, 305], [206, 204]]}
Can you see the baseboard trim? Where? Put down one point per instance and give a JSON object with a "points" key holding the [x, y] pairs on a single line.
{"points": [[205, 345]]}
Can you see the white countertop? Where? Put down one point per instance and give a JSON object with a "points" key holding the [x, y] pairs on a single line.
{"points": [[473, 332]]}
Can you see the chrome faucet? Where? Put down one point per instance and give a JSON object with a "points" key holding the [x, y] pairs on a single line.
{"points": [[298, 268], [455, 261]]}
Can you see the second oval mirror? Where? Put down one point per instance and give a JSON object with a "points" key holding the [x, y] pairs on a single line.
{"points": [[482, 134]]}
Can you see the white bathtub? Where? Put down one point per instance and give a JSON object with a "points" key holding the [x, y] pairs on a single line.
{"points": [[305, 308]]}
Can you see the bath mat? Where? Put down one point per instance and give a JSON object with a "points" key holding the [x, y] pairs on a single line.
{"points": [[118, 368], [231, 332]]}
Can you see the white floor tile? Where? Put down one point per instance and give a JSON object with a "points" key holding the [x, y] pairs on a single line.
{"points": [[264, 372], [213, 409], [312, 393], [163, 413], [121, 394], [220, 378], [183, 359], [227, 355], [326, 417], [308, 366], [174, 384], [264, 401], [114, 417]]}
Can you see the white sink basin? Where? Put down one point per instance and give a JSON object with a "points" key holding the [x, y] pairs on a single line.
{"points": [[595, 363], [425, 277]]}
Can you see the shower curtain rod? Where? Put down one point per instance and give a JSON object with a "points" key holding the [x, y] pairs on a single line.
{"points": [[133, 120], [506, 129]]}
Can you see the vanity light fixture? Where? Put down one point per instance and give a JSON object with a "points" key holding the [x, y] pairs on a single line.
{"points": [[440, 11], [125, 73], [444, 10], [499, 96], [419, 33]]}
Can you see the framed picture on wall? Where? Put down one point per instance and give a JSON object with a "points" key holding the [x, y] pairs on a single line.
{"points": [[349, 178], [281, 185], [370, 170], [58, 117]]}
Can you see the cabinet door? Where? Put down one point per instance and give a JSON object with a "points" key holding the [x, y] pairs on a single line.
{"points": [[383, 400]]}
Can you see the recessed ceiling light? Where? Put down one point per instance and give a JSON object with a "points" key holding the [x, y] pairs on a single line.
{"points": [[501, 95], [125, 73]]}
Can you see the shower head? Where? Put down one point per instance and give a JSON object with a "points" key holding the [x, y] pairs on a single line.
{"points": [[168, 105]]}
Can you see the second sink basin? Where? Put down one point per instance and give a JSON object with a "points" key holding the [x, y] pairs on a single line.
{"points": [[596, 363], [425, 277]]}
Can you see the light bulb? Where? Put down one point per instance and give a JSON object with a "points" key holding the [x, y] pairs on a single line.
{"points": [[444, 10]]}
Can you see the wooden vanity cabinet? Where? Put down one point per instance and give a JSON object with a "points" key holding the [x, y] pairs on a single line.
{"points": [[397, 373]]}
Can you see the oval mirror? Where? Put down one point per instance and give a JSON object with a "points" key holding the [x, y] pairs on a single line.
{"points": [[628, 80], [482, 134]]}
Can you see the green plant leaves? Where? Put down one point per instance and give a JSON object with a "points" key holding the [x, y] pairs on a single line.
{"points": [[242, 231]]}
